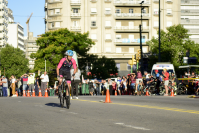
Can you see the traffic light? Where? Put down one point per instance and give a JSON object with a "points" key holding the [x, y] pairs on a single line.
{"points": [[138, 55], [133, 60]]}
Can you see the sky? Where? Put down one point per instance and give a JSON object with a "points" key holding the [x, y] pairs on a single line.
{"points": [[22, 9]]}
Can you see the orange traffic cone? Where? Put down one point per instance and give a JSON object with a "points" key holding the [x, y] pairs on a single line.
{"points": [[40, 94], [24, 93], [115, 93], [147, 92], [33, 93], [46, 93], [16, 94], [28, 94], [172, 93], [107, 100]]}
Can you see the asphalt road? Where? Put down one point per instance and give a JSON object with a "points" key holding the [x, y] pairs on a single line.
{"points": [[138, 114]]}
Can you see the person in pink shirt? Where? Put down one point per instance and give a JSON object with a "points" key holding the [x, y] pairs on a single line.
{"points": [[166, 80], [64, 67]]}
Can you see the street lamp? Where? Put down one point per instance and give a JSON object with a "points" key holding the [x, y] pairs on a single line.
{"points": [[142, 8], [159, 58]]}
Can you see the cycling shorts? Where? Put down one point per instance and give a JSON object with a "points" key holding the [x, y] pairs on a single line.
{"points": [[66, 75]]}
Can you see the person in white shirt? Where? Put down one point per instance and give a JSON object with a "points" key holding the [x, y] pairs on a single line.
{"points": [[75, 81], [44, 82], [13, 80]]}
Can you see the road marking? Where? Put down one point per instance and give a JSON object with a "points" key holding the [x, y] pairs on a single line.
{"points": [[130, 126], [73, 113], [153, 107]]}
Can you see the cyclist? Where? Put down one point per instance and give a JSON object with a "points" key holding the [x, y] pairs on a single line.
{"points": [[63, 69]]}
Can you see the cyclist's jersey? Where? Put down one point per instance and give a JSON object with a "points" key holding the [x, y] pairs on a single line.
{"points": [[66, 66]]}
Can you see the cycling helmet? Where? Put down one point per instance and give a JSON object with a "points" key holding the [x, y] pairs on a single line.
{"points": [[69, 53]]}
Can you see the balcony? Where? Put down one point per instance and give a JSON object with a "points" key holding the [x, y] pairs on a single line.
{"points": [[131, 29], [190, 21], [131, 3], [190, 2], [156, 1], [127, 41], [132, 15], [75, 15], [54, 28], [75, 3], [75, 28], [196, 40], [108, 1], [54, 14], [93, 1], [108, 13], [190, 12], [193, 31], [169, 1], [54, 1]]}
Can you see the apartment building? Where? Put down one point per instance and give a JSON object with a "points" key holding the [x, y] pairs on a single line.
{"points": [[190, 18], [3, 22], [30, 47], [10, 16], [16, 35], [113, 24]]}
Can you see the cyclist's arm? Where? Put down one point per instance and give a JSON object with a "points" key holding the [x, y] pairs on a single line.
{"points": [[59, 65], [74, 66]]}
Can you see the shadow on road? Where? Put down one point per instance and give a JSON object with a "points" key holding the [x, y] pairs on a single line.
{"points": [[53, 105]]}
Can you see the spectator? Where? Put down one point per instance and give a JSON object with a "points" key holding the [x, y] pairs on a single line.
{"points": [[13, 81], [128, 83], [110, 86], [139, 78], [96, 82], [124, 82], [121, 88], [91, 89], [75, 81], [166, 80], [158, 82], [133, 81], [5, 86], [18, 87], [37, 86], [31, 82], [139, 88], [1, 87], [114, 87], [44, 82], [25, 81]]}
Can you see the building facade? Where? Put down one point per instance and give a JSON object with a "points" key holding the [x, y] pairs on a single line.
{"points": [[30, 47], [16, 36], [190, 18], [10, 16], [113, 24], [3, 22]]}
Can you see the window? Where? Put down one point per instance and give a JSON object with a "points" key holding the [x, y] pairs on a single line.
{"points": [[144, 11], [108, 23], [155, 23], [131, 50], [169, 11], [75, 23], [57, 24], [144, 50], [108, 36], [130, 10], [51, 12], [93, 36], [118, 50], [108, 49], [169, 23], [129, 67], [107, 10], [57, 11], [118, 36], [93, 23], [118, 11], [93, 10], [75, 10], [155, 11], [118, 66]]}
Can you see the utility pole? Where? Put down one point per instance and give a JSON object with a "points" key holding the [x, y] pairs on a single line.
{"points": [[142, 71], [159, 58]]}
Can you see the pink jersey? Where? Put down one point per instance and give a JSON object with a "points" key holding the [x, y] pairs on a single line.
{"points": [[66, 66]]}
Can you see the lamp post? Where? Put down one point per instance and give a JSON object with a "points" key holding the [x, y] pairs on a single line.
{"points": [[142, 8], [159, 58]]}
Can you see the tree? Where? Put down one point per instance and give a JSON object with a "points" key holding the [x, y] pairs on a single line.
{"points": [[100, 68], [53, 45], [174, 44], [14, 61]]}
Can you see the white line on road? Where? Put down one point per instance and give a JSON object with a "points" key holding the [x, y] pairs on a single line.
{"points": [[141, 128], [73, 113]]}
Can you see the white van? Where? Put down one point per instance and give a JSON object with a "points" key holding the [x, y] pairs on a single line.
{"points": [[161, 66]]}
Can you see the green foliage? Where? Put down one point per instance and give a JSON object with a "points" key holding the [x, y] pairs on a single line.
{"points": [[174, 44], [54, 44], [102, 68], [14, 61]]}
